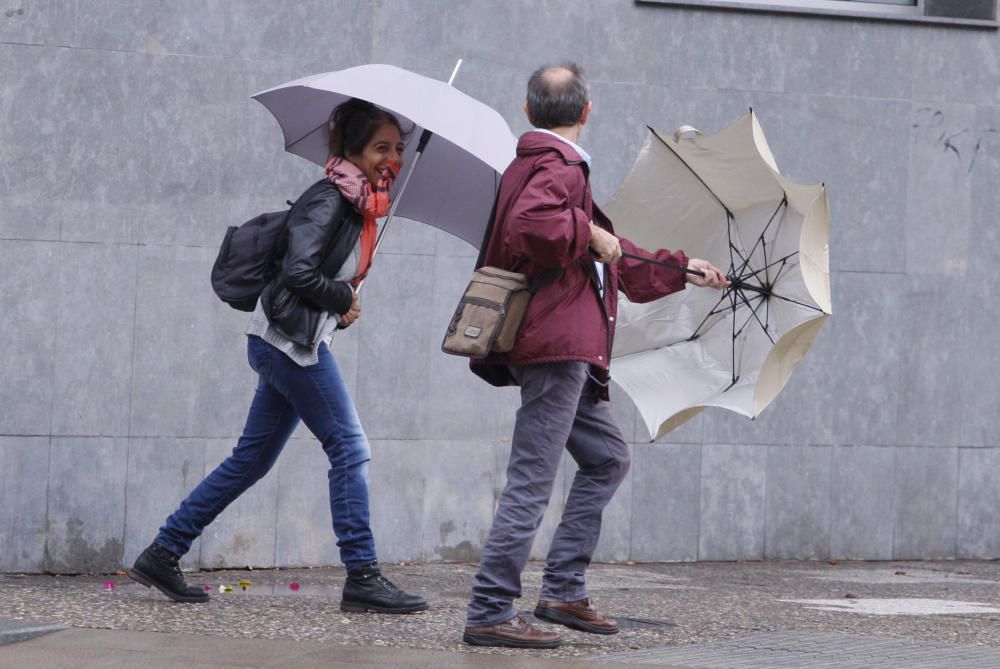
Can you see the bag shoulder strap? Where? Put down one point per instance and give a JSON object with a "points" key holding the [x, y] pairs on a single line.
{"points": [[540, 281], [488, 234], [544, 279]]}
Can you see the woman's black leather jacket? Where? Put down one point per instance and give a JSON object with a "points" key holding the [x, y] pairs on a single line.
{"points": [[323, 228]]}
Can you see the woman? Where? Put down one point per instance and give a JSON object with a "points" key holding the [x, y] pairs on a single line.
{"points": [[331, 239]]}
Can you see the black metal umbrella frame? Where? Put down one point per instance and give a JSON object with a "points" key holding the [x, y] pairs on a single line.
{"points": [[750, 286]]}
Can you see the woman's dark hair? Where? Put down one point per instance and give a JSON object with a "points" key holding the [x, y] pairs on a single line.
{"points": [[353, 123], [554, 99]]}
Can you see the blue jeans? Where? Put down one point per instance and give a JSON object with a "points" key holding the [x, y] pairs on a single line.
{"points": [[285, 393]]}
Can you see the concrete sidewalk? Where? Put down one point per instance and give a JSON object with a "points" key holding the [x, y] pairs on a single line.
{"points": [[104, 649], [706, 615]]}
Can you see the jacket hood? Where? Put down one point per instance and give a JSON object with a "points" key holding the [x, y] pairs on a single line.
{"points": [[533, 143]]}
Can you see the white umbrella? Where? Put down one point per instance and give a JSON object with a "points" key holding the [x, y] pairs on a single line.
{"points": [[463, 149], [720, 197]]}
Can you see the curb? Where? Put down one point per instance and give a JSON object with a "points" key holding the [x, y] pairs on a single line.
{"points": [[13, 631]]}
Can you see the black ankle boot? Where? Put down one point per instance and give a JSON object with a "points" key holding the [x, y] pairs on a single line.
{"points": [[367, 589], [157, 567]]}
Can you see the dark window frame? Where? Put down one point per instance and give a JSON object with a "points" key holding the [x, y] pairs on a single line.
{"points": [[936, 12]]}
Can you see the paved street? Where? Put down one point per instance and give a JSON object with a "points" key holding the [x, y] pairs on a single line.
{"points": [[708, 615]]}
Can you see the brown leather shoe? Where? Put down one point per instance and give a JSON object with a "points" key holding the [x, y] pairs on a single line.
{"points": [[515, 633], [580, 615]]}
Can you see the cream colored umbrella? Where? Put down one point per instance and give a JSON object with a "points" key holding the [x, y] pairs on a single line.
{"points": [[720, 197]]}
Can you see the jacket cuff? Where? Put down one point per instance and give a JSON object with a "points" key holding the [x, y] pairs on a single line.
{"points": [[343, 297]]}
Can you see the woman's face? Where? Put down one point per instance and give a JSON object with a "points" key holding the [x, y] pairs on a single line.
{"points": [[384, 146]]}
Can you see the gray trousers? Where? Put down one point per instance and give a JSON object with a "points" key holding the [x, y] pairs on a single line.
{"points": [[558, 410]]}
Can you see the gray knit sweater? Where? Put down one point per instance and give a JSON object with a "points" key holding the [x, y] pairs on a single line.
{"points": [[326, 328]]}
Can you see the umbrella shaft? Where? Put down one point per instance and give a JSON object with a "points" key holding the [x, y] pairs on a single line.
{"points": [[668, 265], [424, 137]]}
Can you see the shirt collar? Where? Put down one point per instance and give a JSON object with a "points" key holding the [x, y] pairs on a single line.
{"points": [[576, 147]]}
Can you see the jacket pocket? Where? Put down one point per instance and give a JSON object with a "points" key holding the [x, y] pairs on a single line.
{"points": [[282, 302], [290, 315]]}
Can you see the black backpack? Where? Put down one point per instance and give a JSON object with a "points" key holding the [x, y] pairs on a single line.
{"points": [[250, 256]]}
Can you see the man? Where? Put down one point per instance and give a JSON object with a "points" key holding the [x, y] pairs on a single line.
{"points": [[547, 226]]}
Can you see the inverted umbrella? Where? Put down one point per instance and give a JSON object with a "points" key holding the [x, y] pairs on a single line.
{"points": [[720, 197], [463, 148]]}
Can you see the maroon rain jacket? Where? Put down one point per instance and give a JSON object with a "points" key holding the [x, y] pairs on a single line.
{"points": [[544, 208]]}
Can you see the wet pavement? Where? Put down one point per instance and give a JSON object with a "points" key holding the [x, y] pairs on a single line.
{"points": [[671, 614]]}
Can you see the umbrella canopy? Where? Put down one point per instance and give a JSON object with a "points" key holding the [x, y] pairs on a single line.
{"points": [[720, 197], [461, 165]]}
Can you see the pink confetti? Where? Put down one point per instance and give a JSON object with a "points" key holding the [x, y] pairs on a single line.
{"points": [[109, 585], [294, 586]]}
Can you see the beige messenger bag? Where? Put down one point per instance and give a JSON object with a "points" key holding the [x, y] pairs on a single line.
{"points": [[491, 310], [489, 313]]}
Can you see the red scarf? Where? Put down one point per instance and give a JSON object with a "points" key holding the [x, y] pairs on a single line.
{"points": [[370, 202]]}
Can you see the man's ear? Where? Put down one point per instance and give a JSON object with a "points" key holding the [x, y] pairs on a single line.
{"points": [[586, 112], [527, 113]]}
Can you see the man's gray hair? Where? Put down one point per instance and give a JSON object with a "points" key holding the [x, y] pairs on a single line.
{"points": [[553, 101]]}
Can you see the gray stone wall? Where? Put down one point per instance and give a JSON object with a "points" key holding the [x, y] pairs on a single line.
{"points": [[129, 143]]}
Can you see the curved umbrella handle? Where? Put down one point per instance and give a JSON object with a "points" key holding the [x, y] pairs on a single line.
{"points": [[684, 130]]}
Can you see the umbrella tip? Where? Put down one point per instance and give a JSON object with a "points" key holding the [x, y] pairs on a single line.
{"points": [[454, 72]]}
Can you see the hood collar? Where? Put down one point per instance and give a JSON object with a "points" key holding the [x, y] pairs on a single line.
{"points": [[533, 143]]}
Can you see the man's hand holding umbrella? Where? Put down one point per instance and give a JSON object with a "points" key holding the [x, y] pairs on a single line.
{"points": [[604, 245], [710, 277], [607, 249]]}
